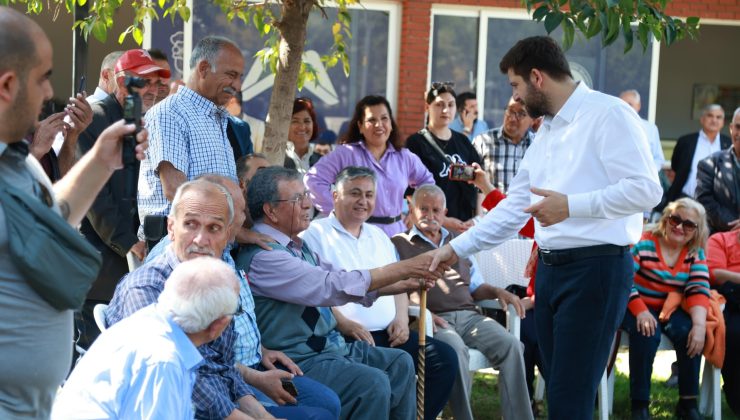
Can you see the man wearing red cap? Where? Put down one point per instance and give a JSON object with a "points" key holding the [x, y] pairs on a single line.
{"points": [[111, 223]]}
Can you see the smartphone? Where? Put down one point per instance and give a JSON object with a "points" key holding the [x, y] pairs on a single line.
{"points": [[81, 87], [459, 172], [289, 387]]}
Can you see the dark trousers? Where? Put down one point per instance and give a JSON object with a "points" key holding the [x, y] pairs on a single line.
{"points": [[578, 308], [531, 349], [643, 349], [440, 369], [731, 366]]}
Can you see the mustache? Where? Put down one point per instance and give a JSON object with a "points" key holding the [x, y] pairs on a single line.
{"points": [[195, 249], [429, 221], [230, 90]]}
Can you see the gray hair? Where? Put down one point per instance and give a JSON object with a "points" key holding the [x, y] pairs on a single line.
{"points": [[202, 185], [736, 113], [109, 61], [264, 188], [711, 107], [350, 173], [17, 47], [207, 49], [199, 292], [632, 92], [429, 189]]}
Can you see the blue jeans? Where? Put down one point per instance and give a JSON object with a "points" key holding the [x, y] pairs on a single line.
{"points": [[578, 308], [315, 401], [643, 349]]}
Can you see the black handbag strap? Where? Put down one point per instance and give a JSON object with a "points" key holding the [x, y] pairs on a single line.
{"points": [[427, 135]]}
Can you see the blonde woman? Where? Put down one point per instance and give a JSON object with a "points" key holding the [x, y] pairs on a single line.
{"points": [[669, 258]]}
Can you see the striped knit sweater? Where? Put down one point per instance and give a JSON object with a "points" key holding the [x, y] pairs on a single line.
{"points": [[654, 279]]}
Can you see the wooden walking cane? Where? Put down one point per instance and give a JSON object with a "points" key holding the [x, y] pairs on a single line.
{"points": [[422, 354]]}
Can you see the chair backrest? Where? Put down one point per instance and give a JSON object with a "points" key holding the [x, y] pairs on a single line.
{"points": [[505, 264], [99, 315]]}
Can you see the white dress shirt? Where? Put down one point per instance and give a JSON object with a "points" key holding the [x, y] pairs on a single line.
{"points": [[704, 148], [653, 137], [594, 151], [331, 241]]}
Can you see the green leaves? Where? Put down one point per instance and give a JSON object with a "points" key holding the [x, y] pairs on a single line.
{"points": [[610, 18]]}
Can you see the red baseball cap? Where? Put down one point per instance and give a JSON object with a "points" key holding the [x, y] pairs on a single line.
{"points": [[140, 62]]}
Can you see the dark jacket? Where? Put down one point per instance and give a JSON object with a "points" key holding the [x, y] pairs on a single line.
{"points": [[111, 223], [683, 155], [240, 137], [717, 189]]}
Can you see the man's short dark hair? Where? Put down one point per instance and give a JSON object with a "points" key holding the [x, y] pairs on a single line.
{"points": [[17, 47], [536, 52], [242, 164], [157, 54], [462, 98], [264, 188]]}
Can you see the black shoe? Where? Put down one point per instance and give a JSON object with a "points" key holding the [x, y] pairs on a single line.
{"points": [[640, 414], [687, 413]]}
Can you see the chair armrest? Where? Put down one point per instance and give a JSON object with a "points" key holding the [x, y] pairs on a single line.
{"points": [[513, 322]]}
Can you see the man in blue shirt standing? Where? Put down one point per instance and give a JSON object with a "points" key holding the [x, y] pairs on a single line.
{"points": [[145, 366]]}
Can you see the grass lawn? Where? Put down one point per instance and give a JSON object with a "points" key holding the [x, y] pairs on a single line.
{"points": [[486, 405]]}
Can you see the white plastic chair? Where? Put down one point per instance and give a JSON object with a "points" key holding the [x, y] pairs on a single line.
{"points": [[99, 316]]}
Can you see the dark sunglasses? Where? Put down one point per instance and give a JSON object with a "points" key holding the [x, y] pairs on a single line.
{"points": [[676, 221]]}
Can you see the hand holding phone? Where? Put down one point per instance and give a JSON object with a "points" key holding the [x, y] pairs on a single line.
{"points": [[289, 387], [460, 172]]}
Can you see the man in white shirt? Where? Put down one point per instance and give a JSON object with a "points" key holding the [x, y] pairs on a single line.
{"points": [[586, 181], [144, 366], [348, 243], [693, 148]]}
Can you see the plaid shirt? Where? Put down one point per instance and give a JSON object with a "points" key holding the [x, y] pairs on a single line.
{"points": [[501, 157], [189, 131], [218, 384]]}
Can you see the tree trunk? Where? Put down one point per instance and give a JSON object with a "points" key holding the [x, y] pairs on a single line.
{"points": [[292, 27]]}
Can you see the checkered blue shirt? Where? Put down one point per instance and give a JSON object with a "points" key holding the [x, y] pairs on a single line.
{"points": [[218, 384], [247, 349], [501, 157], [189, 131]]}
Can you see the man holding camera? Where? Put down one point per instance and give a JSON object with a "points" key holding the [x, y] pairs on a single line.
{"points": [[112, 222], [34, 335]]}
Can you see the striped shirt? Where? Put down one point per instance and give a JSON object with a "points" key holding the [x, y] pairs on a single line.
{"points": [[188, 131], [501, 157], [218, 385], [654, 279]]}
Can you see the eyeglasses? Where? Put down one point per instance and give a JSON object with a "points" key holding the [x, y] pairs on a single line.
{"points": [[677, 221], [518, 115], [298, 198], [438, 85]]}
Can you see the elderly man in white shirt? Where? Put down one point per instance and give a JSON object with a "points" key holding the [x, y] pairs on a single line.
{"points": [[347, 242], [586, 180]]}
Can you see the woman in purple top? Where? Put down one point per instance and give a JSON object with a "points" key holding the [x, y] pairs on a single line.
{"points": [[372, 141]]}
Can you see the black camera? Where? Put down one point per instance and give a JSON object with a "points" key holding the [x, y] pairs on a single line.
{"points": [[132, 115]]}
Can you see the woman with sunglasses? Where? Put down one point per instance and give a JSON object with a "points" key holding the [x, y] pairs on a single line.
{"points": [[669, 259], [299, 153], [438, 147], [372, 141]]}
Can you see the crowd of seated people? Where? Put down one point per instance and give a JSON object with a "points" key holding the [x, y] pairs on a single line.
{"points": [[248, 305]]}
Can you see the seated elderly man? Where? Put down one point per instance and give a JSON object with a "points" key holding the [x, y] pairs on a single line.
{"points": [[294, 289], [199, 225], [455, 317], [347, 242], [145, 366], [723, 259], [256, 363]]}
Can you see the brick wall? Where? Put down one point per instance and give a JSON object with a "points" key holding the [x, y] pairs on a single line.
{"points": [[415, 33]]}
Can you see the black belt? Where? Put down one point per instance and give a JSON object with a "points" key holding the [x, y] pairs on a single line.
{"points": [[566, 256], [384, 220]]}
